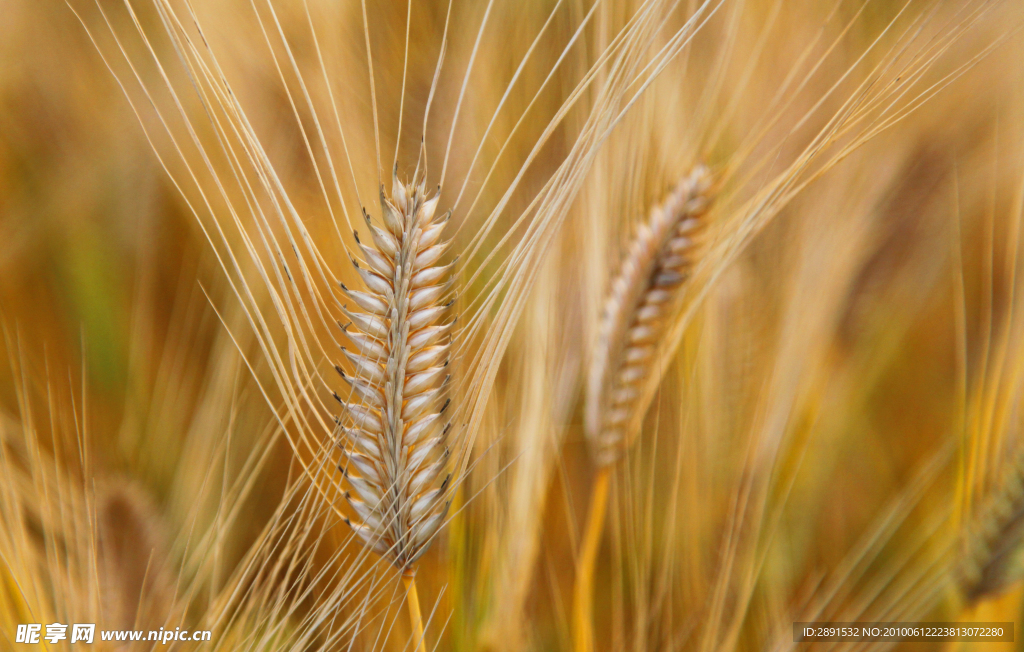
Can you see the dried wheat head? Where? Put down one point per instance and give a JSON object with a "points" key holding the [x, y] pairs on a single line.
{"points": [[643, 296], [993, 557], [393, 426]]}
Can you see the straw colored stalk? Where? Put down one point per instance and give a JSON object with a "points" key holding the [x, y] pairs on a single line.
{"points": [[644, 296], [393, 425]]}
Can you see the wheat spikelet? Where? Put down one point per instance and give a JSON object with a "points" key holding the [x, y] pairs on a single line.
{"points": [[395, 448], [641, 298]]}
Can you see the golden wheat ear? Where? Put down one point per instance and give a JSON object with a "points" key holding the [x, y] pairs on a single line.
{"points": [[644, 297], [134, 554], [394, 448], [994, 552]]}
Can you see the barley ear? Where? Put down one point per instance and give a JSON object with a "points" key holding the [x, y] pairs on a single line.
{"points": [[393, 424], [993, 556], [134, 554], [643, 298]]}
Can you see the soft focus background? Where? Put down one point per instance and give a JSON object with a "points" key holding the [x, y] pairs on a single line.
{"points": [[828, 443]]}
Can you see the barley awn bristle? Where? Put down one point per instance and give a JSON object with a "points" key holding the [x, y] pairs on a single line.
{"points": [[395, 446], [642, 295]]}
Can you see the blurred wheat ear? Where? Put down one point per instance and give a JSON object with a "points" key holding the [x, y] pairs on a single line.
{"points": [[643, 297], [395, 450], [994, 554], [133, 548]]}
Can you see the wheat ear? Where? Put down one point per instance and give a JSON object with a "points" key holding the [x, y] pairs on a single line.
{"points": [[643, 298], [994, 552], [394, 427]]}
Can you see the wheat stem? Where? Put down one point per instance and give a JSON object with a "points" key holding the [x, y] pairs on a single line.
{"points": [[583, 593], [409, 579]]}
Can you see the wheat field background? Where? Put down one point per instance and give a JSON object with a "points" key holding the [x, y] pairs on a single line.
{"points": [[831, 423]]}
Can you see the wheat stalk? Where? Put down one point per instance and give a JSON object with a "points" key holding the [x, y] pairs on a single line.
{"points": [[395, 448], [643, 297]]}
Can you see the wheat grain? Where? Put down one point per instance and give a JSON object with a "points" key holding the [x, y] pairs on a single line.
{"points": [[395, 448], [636, 311]]}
